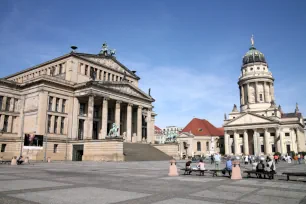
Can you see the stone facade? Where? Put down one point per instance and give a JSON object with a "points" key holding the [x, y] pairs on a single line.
{"points": [[260, 127], [72, 102]]}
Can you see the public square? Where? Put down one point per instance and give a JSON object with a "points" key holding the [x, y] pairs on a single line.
{"points": [[141, 183]]}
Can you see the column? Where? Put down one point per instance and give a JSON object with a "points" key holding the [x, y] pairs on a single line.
{"points": [[2, 122], [129, 122], [90, 117], [73, 117], [266, 142], [149, 136], [117, 114], [52, 124], [272, 91], [242, 95], [104, 118], [152, 129], [139, 123], [226, 143], [245, 142], [265, 93], [59, 119], [3, 103], [12, 101], [293, 140], [236, 143], [42, 112], [282, 142], [53, 104], [256, 92], [10, 124], [255, 142], [248, 91], [60, 103], [277, 140]]}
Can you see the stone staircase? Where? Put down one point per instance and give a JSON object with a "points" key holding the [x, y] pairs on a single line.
{"points": [[143, 152]]}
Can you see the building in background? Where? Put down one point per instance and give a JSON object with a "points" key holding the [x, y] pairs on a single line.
{"points": [[200, 138], [65, 108], [260, 127]]}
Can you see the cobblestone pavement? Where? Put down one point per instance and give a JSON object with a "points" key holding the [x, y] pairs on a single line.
{"points": [[140, 183]]}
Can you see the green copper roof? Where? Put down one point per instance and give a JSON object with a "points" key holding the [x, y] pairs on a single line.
{"points": [[252, 56]]}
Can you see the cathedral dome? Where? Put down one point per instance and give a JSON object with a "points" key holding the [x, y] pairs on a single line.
{"points": [[252, 56]]}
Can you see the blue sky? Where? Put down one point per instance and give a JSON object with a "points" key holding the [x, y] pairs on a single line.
{"points": [[188, 52]]}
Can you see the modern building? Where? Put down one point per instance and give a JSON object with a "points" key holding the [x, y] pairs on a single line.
{"points": [[200, 138], [65, 108], [260, 127]]}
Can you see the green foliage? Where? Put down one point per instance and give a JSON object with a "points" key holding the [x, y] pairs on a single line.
{"points": [[302, 153], [292, 153], [277, 153]]}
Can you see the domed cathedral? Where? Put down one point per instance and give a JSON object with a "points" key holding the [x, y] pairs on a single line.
{"points": [[261, 127]]}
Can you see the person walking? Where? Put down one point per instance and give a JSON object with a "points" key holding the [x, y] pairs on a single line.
{"points": [[211, 159], [299, 158], [246, 160], [217, 160]]}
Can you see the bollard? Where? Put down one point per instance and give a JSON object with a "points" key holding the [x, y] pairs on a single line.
{"points": [[14, 161], [173, 168], [236, 171], [26, 161], [49, 160]]}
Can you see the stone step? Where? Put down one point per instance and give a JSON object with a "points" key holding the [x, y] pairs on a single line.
{"points": [[143, 152]]}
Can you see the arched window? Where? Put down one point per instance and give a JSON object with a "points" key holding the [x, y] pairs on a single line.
{"points": [[198, 146]]}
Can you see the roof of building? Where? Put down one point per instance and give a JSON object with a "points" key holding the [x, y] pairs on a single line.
{"points": [[201, 127], [291, 115], [157, 128], [253, 55]]}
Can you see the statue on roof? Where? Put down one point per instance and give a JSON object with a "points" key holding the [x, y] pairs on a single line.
{"points": [[273, 105], [104, 49], [235, 108], [297, 108], [225, 117], [252, 40], [112, 52], [149, 92], [124, 76]]}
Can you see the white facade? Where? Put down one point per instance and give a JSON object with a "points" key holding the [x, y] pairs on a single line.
{"points": [[260, 127]]}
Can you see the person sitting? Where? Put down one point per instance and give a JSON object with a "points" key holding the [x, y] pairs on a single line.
{"points": [[201, 167], [270, 167], [188, 167], [228, 166], [260, 167], [20, 160]]}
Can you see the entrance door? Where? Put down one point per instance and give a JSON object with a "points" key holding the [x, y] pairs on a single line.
{"points": [[288, 148], [77, 152]]}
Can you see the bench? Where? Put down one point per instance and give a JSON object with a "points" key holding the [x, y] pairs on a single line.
{"points": [[188, 171], [294, 174], [216, 171], [5, 162], [270, 174]]}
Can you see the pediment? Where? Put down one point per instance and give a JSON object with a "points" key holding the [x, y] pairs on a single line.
{"points": [[110, 63], [128, 89], [185, 135], [249, 118]]}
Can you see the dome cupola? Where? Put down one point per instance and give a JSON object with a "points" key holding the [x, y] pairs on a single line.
{"points": [[253, 55]]}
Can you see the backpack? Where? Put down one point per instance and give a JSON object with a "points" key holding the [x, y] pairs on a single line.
{"points": [[260, 166]]}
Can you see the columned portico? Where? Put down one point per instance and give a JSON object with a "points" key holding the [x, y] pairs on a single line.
{"points": [[104, 118], [117, 113], [236, 143], [139, 123], [129, 122], [149, 136], [245, 142], [90, 117], [266, 141], [226, 143]]}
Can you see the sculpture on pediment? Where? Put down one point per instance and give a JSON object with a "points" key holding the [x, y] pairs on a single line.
{"points": [[114, 131], [93, 74], [124, 76], [52, 70]]}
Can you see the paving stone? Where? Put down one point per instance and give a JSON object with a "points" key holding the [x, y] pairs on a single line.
{"points": [[184, 201], [281, 193], [9, 185], [4, 177], [193, 179], [128, 175], [270, 199], [218, 194], [84, 195], [238, 189]]}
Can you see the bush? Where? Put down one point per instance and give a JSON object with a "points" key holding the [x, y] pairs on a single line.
{"points": [[302, 153], [277, 153], [292, 153]]}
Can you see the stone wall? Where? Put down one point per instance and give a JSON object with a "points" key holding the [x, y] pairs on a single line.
{"points": [[169, 149], [103, 151]]}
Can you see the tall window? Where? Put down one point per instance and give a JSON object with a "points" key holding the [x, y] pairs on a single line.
{"points": [[55, 148], [49, 123], [8, 103], [60, 69], [96, 111], [82, 109], [5, 125], [57, 105], [260, 97], [62, 125], [100, 73], [272, 134], [241, 148], [64, 106], [104, 76], [55, 124], [86, 69], [261, 134], [81, 129], [50, 103], [198, 146], [109, 76], [287, 134], [1, 100], [113, 77], [273, 148], [95, 130], [3, 147], [262, 148]]}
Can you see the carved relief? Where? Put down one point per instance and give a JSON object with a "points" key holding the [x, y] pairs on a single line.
{"points": [[31, 103], [127, 90]]}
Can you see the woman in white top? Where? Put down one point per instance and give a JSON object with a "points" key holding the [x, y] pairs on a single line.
{"points": [[246, 160], [201, 165]]}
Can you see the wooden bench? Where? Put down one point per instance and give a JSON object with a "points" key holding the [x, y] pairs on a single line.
{"points": [[294, 174], [270, 174], [189, 171], [216, 171], [5, 162]]}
